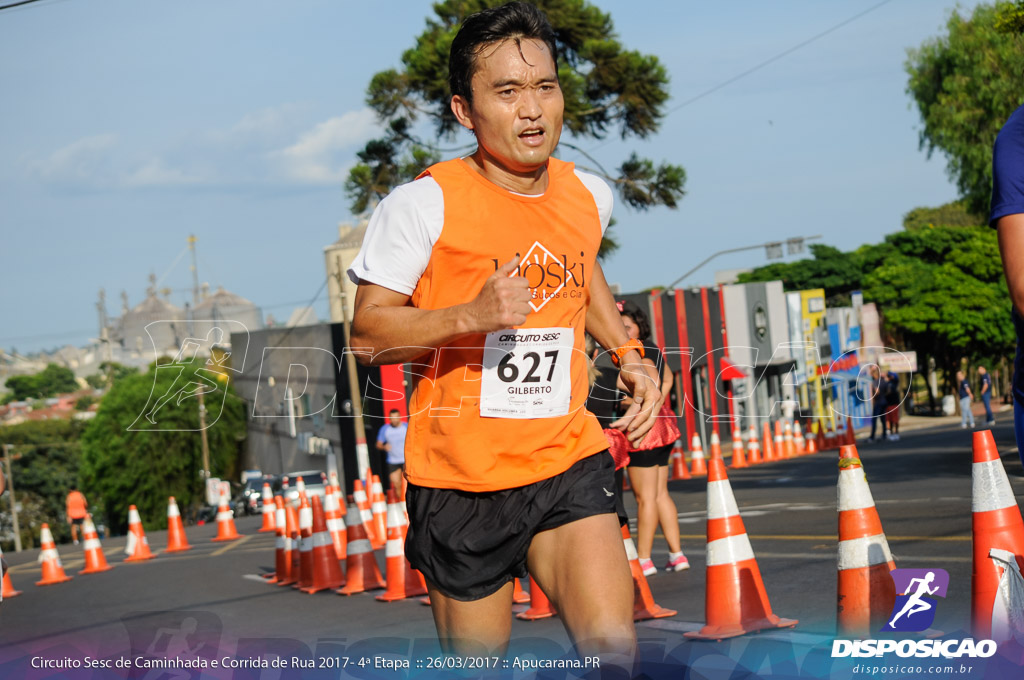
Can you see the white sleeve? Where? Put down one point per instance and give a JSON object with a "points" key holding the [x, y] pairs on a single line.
{"points": [[400, 237], [602, 196]]}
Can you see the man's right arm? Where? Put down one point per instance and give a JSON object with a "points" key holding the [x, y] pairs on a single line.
{"points": [[1011, 246], [390, 331]]}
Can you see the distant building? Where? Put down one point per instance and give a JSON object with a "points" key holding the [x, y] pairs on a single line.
{"points": [[225, 306]]}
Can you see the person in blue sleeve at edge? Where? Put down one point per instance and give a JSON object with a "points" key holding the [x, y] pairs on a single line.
{"points": [[1007, 216]]}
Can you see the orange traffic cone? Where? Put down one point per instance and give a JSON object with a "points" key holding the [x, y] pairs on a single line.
{"points": [[998, 544], [753, 447], [305, 543], [403, 581], [137, 547], [766, 446], [644, 606], [865, 589], [735, 600], [361, 569], [365, 514], [798, 439], [7, 589], [53, 570], [379, 509], [225, 517], [851, 436], [738, 459], [679, 470], [716, 445], [778, 444], [269, 510], [335, 524], [326, 568], [176, 540], [819, 436], [300, 490], [540, 605], [698, 465], [787, 441], [519, 596], [95, 561], [279, 543], [288, 567]]}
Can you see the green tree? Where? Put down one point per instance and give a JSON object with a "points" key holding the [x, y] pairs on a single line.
{"points": [[54, 379], [953, 214], [128, 460], [607, 88], [966, 83], [45, 459]]}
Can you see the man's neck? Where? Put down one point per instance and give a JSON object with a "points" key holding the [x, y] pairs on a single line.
{"points": [[531, 182]]}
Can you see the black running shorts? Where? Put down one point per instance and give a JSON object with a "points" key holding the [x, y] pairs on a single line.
{"points": [[468, 545], [650, 457]]}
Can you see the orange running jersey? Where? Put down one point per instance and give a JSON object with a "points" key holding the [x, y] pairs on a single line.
{"points": [[76, 505], [536, 425]]}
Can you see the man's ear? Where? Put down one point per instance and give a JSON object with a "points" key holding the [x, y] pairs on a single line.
{"points": [[463, 111]]}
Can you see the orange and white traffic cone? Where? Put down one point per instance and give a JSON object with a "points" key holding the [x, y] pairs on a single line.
{"points": [[95, 561], [778, 444], [365, 514], [540, 605], [361, 571], [137, 547], [325, 566], [735, 600], [269, 510], [998, 544], [225, 517], [280, 566], [716, 445], [739, 460], [766, 445], [335, 524], [403, 581], [865, 589], [798, 439], [7, 589], [644, 606], [851, 436], [379, 509], [811, 443], [53, 570], [305, 543], [288, 566], [176, 540], [788, 444], [678, 457], [698, 466], [753, 447], [819, 437], [300, 490]]}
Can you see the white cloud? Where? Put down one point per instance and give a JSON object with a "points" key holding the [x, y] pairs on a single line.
{"points": [[155, 172], [86, 161], [317, 157]]}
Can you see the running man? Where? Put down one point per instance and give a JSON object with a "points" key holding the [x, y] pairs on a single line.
{"points": [[483, 275], [914, 603], [77, 510], [391, 440]]}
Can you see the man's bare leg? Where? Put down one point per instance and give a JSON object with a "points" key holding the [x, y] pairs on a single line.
{"points": [[477, 628], [583, 569]]}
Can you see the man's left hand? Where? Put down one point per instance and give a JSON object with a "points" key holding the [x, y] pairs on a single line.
{"points": [[643, 383]]}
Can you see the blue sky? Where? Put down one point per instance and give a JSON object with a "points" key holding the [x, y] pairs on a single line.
{"points": [[129, 124]]}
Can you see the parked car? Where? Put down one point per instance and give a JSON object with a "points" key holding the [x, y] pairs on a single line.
{"points": [[315, 481]]}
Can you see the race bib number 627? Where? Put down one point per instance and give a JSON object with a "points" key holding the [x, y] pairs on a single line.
{"points": [[526, 373]]}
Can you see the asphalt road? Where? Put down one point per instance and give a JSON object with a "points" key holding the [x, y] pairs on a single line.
{"points": [[921, 486]]}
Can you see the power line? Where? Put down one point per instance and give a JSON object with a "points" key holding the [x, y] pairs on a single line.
{"points": [[14, 5]]}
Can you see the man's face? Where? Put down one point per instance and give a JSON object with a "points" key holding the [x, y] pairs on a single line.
{"points": [[517, 104], [395, 419]]}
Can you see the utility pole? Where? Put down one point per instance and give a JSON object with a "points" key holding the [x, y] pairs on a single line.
{"points": [[14, 505], [362, 452], [195, 272]]}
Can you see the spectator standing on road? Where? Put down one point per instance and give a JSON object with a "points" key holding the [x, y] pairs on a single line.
{"points": [[77, 510], [1007, 216], [966, 397], [986, 394], [391, 438], [648, 462], [892, 405], [877, 402]]}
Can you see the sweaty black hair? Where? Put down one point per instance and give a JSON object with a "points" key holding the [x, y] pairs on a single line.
{"points": [[513, 21], [394, 410], [639, 317]]}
